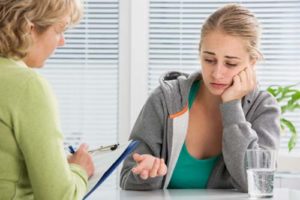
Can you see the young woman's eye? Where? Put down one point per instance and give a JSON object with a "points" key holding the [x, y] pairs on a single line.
{"points": [[231, 64], [209, 60]]}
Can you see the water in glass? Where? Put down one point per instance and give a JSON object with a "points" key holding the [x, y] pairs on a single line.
{"points": [[260, 182]]}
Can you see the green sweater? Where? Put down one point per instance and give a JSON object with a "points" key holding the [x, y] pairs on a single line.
{"points": [[33, 162]]}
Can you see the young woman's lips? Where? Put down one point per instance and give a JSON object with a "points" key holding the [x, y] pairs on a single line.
{"points": [[218, 85]]}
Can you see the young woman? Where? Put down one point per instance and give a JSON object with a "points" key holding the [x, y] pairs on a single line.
{"points": [[33, 162], [201, 124]]}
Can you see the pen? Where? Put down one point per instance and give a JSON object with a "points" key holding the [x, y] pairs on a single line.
{"points": [[102, 148], [105, 148], [71, 149]]}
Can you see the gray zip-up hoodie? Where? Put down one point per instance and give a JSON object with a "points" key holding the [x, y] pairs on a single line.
{"points": [[252, 122]]}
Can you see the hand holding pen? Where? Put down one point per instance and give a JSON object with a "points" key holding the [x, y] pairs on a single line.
{"points": [[83, 158]]}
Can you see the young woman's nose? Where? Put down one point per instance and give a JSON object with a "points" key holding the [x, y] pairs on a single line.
{"points": [[218, 72]]}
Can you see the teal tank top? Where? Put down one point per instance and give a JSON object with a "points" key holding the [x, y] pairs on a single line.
{"points": [[189, 172]]}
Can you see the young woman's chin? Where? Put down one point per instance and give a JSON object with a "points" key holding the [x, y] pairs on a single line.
{"points": [[216, 92]]}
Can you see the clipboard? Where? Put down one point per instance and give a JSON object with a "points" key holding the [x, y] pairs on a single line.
{"points": [[106, 163]]}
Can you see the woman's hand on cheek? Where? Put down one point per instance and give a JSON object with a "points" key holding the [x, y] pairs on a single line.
{"points": [[243, 83]]}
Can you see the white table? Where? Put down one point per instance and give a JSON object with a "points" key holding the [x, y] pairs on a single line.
{"points": [[279, 194]]}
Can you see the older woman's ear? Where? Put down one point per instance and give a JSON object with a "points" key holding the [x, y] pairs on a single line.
{"points": [[30, 28]]}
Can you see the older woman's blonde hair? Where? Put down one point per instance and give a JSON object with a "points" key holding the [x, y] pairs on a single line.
{"points": [[17, 15], [235, 20]]}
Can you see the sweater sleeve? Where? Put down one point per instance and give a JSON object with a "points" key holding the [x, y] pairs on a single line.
{"points": [[148, 129], [40, 140], [261, 130]]}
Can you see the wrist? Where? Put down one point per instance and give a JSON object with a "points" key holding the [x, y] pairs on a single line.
{"points": [[226, 99]]}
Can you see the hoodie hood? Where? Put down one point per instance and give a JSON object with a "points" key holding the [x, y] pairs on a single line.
{"points": [[175, 87]]}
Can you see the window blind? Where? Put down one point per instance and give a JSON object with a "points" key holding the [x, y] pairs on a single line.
{"points": [[84, 76], [174, 33]]}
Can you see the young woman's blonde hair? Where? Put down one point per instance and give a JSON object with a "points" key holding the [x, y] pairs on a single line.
{"points": [[235, 20], [16, 16]]}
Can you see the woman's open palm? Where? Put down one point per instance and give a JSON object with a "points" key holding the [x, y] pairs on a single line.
{"points": [[149, 166]]}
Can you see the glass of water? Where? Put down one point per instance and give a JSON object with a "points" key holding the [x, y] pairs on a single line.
{"points": [[261, 165]]}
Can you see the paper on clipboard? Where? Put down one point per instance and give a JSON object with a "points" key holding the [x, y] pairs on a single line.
{"points": [[106, 162]]}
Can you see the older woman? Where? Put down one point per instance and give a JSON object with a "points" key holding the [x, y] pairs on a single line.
{"points": [[201, 124], [33, 162]]}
